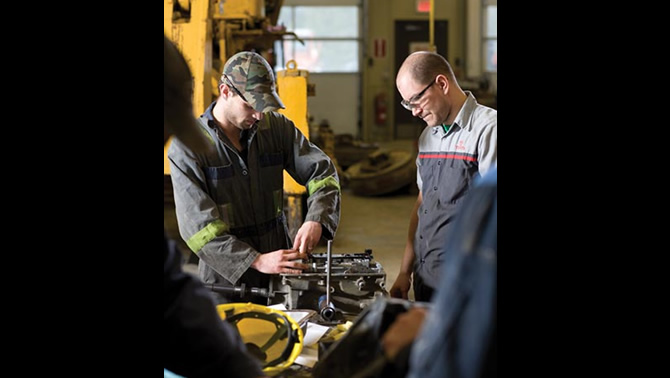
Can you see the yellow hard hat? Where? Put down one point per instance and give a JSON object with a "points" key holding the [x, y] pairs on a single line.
{"points": [[269, 334]]}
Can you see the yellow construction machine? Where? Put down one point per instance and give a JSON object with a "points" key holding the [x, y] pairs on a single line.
{"points": [[208, 32]]}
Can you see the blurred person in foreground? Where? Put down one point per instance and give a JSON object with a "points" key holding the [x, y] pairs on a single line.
{"points": [[457, 337]]}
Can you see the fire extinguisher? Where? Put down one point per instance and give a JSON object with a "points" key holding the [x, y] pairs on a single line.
{"points": [[380, 109]]}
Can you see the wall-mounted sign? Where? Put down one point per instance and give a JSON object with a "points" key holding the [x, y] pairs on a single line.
{"points": [[423, 6], [380, 47]]}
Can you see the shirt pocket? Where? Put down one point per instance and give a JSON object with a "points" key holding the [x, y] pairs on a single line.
{"points": [[453, 182], [219, 173], [220, 182]]}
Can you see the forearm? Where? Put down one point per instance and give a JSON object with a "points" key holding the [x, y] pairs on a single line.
{"points": [[407, 264], [403, 331], [324, 208], [311, 167]]}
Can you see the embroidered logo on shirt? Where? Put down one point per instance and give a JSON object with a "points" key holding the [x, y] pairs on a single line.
{"points": [[460, 146]]}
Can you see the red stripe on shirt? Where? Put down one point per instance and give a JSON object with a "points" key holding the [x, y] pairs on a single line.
{"points": [[446, 156]]}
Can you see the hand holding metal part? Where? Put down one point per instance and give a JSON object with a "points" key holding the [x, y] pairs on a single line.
{"points": [[281, 261], [307, 236]]}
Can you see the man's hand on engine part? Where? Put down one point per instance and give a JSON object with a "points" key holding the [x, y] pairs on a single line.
{"points": [[403, 331], [307, 237], [400, 287], [280, 261]]}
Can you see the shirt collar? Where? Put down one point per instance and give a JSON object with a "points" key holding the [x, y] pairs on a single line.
{"points": [[466, 110], [463, 115], [211, 122]]}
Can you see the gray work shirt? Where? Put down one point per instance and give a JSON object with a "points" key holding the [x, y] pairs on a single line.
{"points": [[447, 164], [230, 209], [459, 334]]}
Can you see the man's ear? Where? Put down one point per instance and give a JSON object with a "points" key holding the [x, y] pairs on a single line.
{"points": [[224, 90], [443, 83]]}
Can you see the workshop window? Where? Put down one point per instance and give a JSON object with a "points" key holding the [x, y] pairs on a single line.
{"points": [[330, 35], [491, 36]]}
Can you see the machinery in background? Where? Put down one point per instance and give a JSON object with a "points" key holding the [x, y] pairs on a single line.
{"points": [[208, 32], [381, 172], [350, 151], [324, 137]]}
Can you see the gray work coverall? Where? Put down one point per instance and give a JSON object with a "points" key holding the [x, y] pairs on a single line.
{"points": [[229, 204]]}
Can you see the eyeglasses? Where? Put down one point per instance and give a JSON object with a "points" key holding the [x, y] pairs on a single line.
{"points": [[230, 84], [411, 103]]}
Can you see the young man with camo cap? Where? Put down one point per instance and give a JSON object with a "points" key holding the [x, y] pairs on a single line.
{"points": [[229, 202]]}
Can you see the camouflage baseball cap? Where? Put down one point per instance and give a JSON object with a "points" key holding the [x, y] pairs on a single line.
{"points": [[178, 119], [251, 74]]}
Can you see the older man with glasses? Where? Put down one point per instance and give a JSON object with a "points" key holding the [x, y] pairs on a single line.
{"points": [[459, 144]]}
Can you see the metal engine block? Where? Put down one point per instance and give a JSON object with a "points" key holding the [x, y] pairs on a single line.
{"points": [[356, 280]]}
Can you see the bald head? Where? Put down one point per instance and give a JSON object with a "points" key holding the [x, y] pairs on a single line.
{"points": [[424, 66]]}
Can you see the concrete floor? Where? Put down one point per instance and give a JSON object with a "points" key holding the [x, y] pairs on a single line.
{"points": [[378, 223]]}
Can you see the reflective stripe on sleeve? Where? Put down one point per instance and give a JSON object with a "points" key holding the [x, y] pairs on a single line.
{"points": [[202, 237], [315, 185]]}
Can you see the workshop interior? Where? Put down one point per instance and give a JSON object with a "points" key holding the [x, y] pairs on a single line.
{"points": [[335, 64]]}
